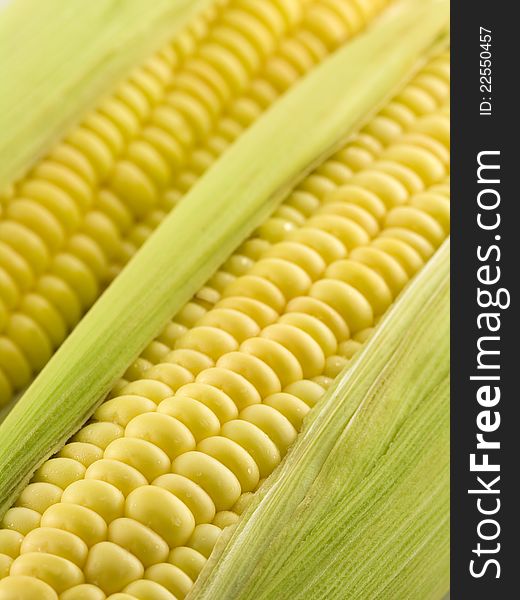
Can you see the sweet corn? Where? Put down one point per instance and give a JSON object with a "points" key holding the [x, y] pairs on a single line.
{"points": [[134, 504], [82, 211]]}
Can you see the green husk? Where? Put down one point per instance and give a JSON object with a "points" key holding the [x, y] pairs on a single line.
{"points": [[234, 197], [359, 508], [60, 56]]}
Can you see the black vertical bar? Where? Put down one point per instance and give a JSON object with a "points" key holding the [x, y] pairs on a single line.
{"points": [[485, 115]]}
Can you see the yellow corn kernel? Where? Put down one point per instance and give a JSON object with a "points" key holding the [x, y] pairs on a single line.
{"points": [[142, 541], [58, 572], [79, 520], [111, 567], [148, 590], [25, 587], [188, 560], [84, 591], [194, 497], [39, 496], [57, 542], [22, 520]]}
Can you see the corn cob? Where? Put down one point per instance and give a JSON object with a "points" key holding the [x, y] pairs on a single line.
{"points": [[82, 211], [174, 455]]}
